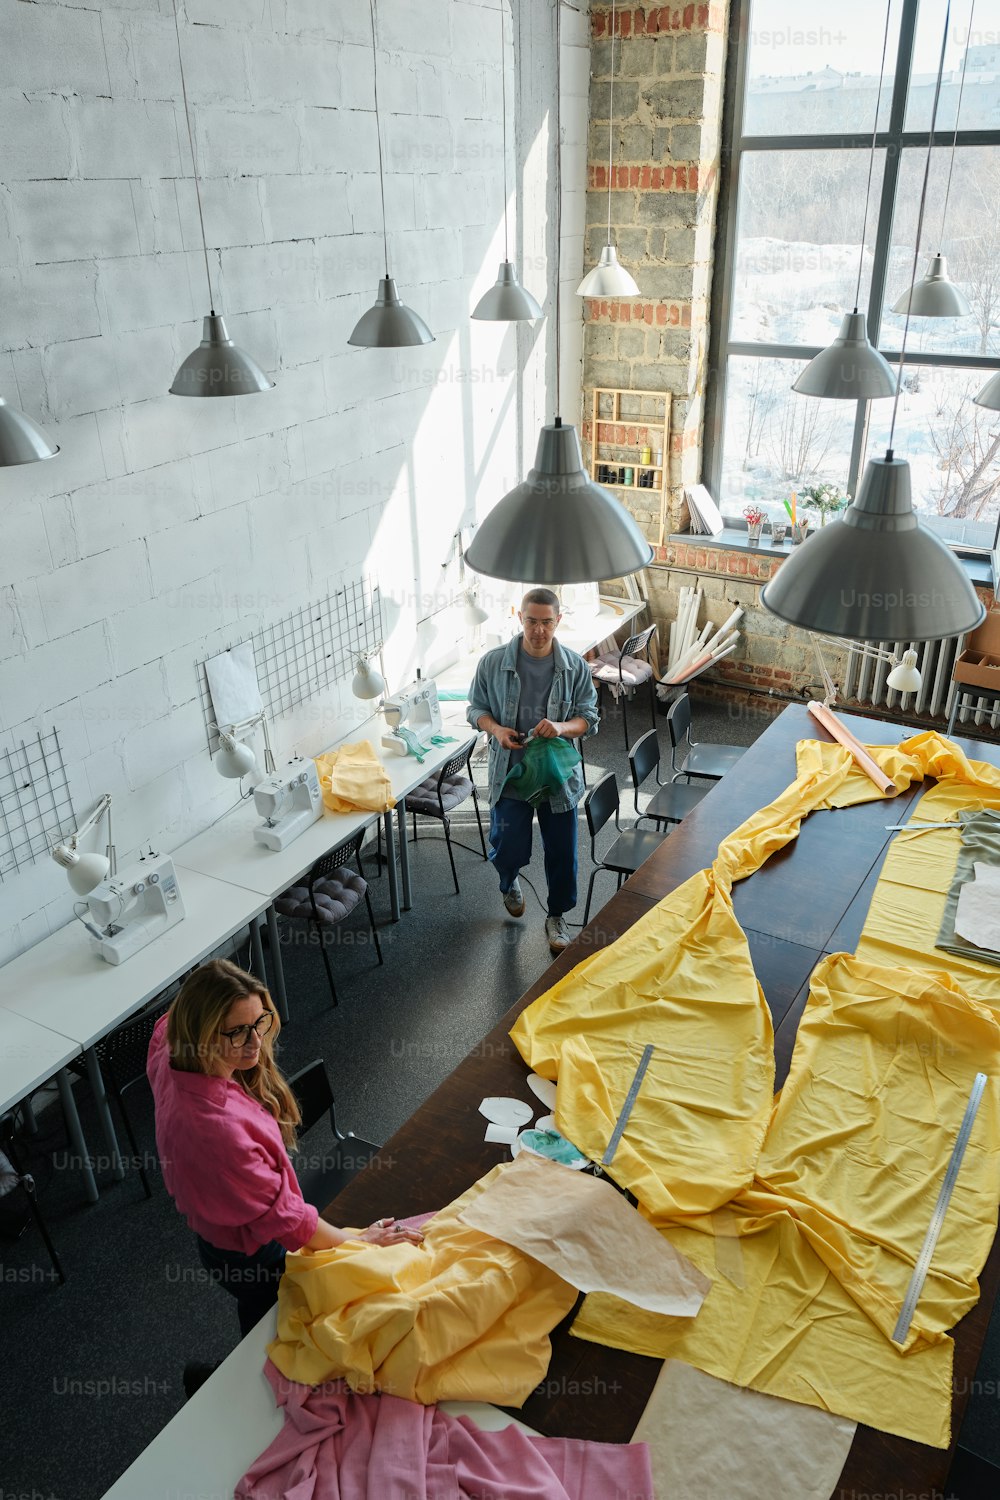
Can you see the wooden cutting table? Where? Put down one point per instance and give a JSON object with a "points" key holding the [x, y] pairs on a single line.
{"points": [[807, 900]]}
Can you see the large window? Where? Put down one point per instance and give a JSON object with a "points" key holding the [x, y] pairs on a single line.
{"points": [[802, 89]]}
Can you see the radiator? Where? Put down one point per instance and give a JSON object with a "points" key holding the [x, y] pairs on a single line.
{"points": [[864, 682]]}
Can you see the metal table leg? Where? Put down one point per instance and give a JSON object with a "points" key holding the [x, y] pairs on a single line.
{"points": [[104, 1111], [277, 967], [404, 853], [76, 1133], [257, 948], [390, 864]]}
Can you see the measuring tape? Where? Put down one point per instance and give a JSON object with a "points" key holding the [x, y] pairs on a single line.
{"points": [[922, 1266], [627, 1107]]}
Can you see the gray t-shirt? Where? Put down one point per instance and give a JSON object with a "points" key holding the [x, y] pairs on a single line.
{"points": [[536, 674]]}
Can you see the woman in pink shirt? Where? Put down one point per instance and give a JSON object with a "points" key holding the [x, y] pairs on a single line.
{"points": [[225, 1123]]}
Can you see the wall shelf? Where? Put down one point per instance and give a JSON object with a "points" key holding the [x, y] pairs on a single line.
{"points": [[620, 432]]}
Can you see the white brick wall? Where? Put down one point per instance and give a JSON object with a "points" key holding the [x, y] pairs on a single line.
{"points": [[167, 529]]}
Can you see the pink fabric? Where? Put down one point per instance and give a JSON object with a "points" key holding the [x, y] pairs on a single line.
{"points": [[339, 1446], [224, 1162]]}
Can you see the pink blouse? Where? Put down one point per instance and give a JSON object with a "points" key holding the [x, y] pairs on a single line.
{"points": [[224, 1162]]}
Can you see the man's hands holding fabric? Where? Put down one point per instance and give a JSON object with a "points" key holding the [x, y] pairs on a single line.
{"points": [[507, 739]]}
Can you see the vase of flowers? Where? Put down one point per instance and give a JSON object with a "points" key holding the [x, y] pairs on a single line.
{"points": [[826, 500], [755, 519]]}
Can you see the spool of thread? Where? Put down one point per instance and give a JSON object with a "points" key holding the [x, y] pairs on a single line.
{"points": [[659, 458], [628, 476], [646, 456]]}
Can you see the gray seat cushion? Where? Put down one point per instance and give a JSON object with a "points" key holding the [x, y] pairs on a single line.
{"points": [[336, 895], [424, 798], [633, 670]]}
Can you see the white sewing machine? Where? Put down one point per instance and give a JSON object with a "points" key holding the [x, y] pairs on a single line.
{"points": [[416, 708], [132, 908], [289, 800]]}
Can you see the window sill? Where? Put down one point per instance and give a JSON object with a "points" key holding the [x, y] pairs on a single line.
{"points": [[734, 539]]}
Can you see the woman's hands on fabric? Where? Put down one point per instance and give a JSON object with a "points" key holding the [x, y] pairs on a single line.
{"points": [[389, 1232]]}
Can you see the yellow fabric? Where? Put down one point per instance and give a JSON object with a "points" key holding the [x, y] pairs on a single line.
{"points": [[461, 1317], [830, 1190], [353, 779]]}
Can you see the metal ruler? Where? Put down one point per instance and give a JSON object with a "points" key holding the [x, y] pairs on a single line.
{"points": [[627, 1107], [922, 1266]]}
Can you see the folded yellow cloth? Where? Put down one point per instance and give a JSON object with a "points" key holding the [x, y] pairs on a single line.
{"points": [[353, 779], [810, 1213], [462, 1317]]}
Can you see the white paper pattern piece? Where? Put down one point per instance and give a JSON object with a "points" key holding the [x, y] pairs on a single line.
{"points": [[977, 916], [544, 1088], [232, 681], [709, 1438], [545, 1122], [502, 1111], [501, 1135]]}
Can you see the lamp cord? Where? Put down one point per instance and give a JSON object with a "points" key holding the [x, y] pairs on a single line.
{"points": [[503, 96], [958, 112], [194, 161], [558, 176], [378, 137], [920, 225], [611, 115], [871, 154]]}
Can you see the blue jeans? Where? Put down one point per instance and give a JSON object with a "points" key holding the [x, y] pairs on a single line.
{"points": [[251, 1279], [510, 847]]}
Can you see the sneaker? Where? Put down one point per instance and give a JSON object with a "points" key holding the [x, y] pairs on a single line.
{"points": [[557, 933], [514, 899]]}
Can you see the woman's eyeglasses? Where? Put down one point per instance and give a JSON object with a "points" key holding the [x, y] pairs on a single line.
{"points": [[240, 1035]]}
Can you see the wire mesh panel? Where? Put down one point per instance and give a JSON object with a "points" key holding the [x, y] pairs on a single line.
{"points": [[36, 807], [299, 655]]}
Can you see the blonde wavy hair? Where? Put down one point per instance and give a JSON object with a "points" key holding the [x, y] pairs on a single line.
{"points": [[194, 1025]]}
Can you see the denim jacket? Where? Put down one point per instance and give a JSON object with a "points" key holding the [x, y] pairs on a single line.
{"points": [[496, 690]]}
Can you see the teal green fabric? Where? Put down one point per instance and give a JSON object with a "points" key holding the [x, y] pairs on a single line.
{"points": [[553, 1145], [980, 845], [547, 765]]}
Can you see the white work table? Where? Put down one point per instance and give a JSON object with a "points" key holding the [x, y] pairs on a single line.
{"points": [[29, 1056]]}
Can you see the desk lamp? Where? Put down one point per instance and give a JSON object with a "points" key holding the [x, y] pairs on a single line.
{"points": [[368, 683], [86, 871], [236, 759]]}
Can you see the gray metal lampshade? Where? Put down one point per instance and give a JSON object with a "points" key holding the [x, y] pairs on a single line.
{"points": [[388, 324], [934, 295], [217, 367], [558, 526], [507, 301], [22, 441], [990, 393], [850, 369], [875, 573], [608, 278]]}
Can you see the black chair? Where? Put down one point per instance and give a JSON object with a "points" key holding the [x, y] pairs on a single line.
{"points": [[673, 800], [611, 671], [708, 759], [330, 893], [321, 1177], [18, 1178], [632, 846], [441, 793], [121, 1056]]}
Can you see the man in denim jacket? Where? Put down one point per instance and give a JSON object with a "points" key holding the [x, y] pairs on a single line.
{"points": [[534, 686]]}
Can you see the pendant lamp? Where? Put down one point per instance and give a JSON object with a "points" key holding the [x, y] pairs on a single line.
{"points": [[558, 526], [22, 441], [388, 323], [990, 394], [850, 369], [218, 367], [506, 301], [936, 295], [876, 573], [608, 278]]}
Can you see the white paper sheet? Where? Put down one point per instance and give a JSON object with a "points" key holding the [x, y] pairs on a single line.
{"points": [[977, 916], [232, 681], [544, 1089], [501, 1111]]}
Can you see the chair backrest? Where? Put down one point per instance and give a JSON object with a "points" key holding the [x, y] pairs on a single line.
{"points": [[311, 1087], [601, 803], [637, 644], [644, 757], [459, 761], [123, 1051], [336, 858], [679, 719]]}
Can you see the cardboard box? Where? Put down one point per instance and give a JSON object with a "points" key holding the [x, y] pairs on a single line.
{"points": [[979, 663]]}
